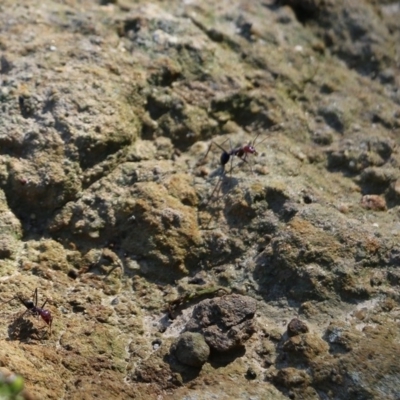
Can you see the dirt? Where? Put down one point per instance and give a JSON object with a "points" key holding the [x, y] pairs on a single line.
{"points": [[114, 205]]}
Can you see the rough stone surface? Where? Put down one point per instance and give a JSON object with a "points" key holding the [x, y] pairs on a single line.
{"points": [[307, 346], [296, 327], [113, 204], [226, 323], [191, 349], [289, 377]]}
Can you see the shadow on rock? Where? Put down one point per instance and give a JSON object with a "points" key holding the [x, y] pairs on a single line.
{"points": [[24, 330]]}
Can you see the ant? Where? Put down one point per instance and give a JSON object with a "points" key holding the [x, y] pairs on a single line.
{"points": [[240, 152], [33, 309]]}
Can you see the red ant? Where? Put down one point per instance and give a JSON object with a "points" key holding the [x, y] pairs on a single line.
{"points": [[240, 152], [33, 309]]}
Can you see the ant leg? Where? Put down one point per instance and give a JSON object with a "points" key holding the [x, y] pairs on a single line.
{"points": [[242, 159], [217, 186], [224, 158], [22, 315], [248, 162], [8, 301], [220, 145], [253, 144], [44, 304], [49, 331], [230, 144], [215, 144], [35, 297], [254, 141], [262, 141]]}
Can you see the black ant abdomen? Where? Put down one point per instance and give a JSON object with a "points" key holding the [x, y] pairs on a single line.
{"points": [[224, 159]]}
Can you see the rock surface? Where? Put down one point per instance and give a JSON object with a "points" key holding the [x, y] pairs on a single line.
{"points": [[296, 327], [113, 208], [226, 323], [191, 349]]}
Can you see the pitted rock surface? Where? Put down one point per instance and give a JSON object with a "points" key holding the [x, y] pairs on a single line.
{"points": [[296, 327], [191, 349], [226, 322]]}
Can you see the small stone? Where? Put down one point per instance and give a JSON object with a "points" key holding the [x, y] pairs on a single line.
{"points": [[5, 65], [374, 202], [387, 76], [323, 138], [73, 274], [191, 349], [360, 314], [226, 322], [343, 208], [292, 377], [296, 327], [306, 346], [251, 374], [396, 186], [6, 250], [115, 301]]}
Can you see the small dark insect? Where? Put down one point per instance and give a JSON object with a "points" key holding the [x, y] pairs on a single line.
{"points": [[240, 152], [25, 106], [21, 102], [33, 309]]}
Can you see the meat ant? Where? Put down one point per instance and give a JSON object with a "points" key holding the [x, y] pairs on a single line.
{"points": [[241, 152], [33, 309]]}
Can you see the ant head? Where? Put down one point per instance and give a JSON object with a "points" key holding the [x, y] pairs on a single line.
{"points": [[250, 149]]}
